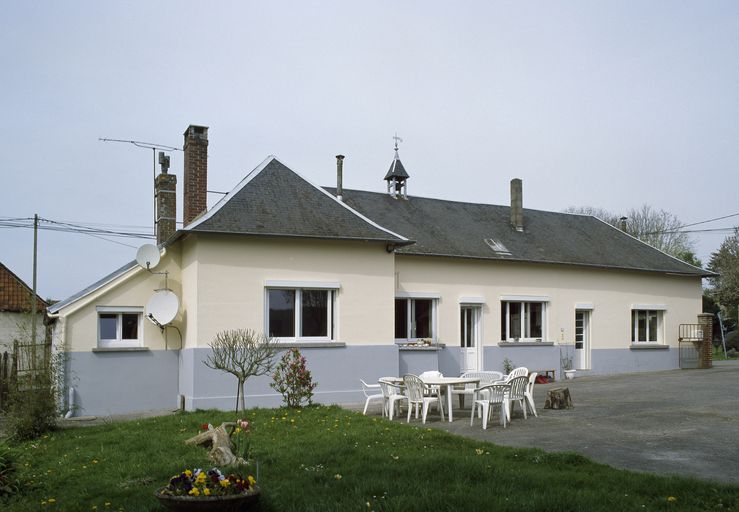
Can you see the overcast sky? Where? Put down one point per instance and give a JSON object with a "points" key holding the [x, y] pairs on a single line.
{"points": [[609, 104]]}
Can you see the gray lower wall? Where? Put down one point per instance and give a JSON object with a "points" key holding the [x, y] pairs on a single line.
{"points": [[119, 382], [336, 370]]}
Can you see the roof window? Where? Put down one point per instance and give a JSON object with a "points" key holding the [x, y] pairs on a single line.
{"points": [[498, 247]]}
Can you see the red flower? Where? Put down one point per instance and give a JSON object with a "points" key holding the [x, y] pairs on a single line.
{"points": [[204, 426]]}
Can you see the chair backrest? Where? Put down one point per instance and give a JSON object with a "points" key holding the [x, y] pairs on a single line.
{"points": [[498, 392], [414, 387], [518, 387], [388, 388], [367, 389], [430, 374], [521, 371], [532, 381], [486, 377]]}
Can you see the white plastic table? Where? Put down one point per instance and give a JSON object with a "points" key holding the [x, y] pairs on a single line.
{"points": [[449, 382]]}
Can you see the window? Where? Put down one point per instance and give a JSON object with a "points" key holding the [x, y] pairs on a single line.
{"points": [[522, 321], [646, 326], [300, 313], [120, 328], [414, 319]]}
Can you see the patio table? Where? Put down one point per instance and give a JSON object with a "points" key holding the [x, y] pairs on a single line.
{"points": [[449, 382]]}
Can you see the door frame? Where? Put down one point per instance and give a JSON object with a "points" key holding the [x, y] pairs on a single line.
{"points": [[477, 322], [587, 337]]}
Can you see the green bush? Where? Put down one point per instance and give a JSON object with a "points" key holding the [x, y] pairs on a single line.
{"points": [[9, 483], [32, 410], [293, 380]]}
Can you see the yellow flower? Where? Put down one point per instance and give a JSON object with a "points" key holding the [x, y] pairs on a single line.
{"points": [[52, 500], [188, 473], [252, 480], [479, 451], [201, 477], [194, 491], [337, 476], [671, 499], [206, 491], [237, 430], [225, 482]]}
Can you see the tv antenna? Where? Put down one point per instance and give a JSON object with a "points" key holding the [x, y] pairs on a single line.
{"points": [[154, 147]]}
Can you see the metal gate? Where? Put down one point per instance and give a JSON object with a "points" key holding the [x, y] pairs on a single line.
{"points": [[689, 341]]}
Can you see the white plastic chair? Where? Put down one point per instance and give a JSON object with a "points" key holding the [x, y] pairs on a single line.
{"points": [[431, 374], [486, 377], [415, 387], [485, 398], [367, 390], [521, 371], [517, 394], [529, 393], [391, 394]]}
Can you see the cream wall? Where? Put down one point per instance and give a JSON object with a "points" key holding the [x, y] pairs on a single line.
{"points": [[133, 289], [611, 292], [231, 273]]}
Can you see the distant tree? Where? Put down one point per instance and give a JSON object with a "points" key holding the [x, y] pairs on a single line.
{"points": [[725, 287], [243, 354], [658, 228]]}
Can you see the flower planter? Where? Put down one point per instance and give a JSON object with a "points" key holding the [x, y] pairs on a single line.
{"points": [[229, 503], [570, 374]]}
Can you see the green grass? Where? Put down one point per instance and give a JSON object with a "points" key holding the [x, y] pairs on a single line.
{"points": [[330, 459]]}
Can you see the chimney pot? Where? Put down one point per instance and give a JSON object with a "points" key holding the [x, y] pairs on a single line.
{"points": [[165, 191], [517, 204], [339, 177], [195, 182]]}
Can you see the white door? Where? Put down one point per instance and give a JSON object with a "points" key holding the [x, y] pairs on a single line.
{"points": [[582, 340], [471, 356]]}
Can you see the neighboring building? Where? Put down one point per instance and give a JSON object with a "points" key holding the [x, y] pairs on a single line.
{"points": [[353, 278], [15, 310]]}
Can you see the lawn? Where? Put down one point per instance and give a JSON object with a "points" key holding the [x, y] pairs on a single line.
{"points": [[330, 459]]}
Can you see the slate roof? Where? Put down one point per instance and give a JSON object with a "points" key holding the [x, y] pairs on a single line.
{"points": [[457, 229], [273, 200]]}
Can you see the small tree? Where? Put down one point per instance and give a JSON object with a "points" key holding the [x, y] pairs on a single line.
{"points": [[244, 354], [725, 262], [293, 380]]}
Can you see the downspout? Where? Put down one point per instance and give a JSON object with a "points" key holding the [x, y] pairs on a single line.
{"points": [[63, 336]]}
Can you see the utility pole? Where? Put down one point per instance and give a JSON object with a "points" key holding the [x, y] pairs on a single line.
{"points": [[34, 313]]}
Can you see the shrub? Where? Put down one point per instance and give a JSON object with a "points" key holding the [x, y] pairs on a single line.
{"points": [[9, 483], [31, 411], [293, 380]]}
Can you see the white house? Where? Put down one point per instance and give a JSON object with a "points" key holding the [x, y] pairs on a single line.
{"points": [[353, 278]]}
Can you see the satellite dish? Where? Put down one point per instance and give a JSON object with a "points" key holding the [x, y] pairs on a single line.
{"points": [[162, 307], [148, 256]]}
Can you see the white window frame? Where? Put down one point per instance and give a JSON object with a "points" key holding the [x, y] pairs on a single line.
{"points": [[648, 308], [410, 305], [306, 285], [118, 341], [523, 301]]}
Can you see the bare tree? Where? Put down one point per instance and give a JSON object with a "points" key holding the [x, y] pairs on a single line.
{"points": [[658, 228], [244, 354]]}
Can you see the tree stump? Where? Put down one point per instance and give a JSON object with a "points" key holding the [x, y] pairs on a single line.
{"points": [[558, 398], [220, 442]]}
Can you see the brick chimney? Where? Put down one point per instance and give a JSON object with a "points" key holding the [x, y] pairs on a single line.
{"points": [[165, 190], [517, 204], [196, 173]]}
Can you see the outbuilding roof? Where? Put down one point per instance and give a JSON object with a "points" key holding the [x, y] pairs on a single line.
{"points": [[484, 231]]}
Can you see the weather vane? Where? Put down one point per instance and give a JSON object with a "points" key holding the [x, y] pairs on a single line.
{"points": [[397, 139]]}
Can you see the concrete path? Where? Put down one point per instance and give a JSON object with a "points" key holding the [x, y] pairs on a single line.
{"points": [[682, 422]]}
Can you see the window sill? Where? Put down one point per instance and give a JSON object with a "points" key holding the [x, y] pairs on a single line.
{"points": [[121, 349], [310, 344], [428, 348], [648, 346], [525, 343]]}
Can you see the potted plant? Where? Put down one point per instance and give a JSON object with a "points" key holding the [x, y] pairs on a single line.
{"points": [[565, 360], [209, 490], [507, 366]]}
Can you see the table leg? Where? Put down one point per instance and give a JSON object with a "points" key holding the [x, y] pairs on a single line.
{"points": [[449, 401]]}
